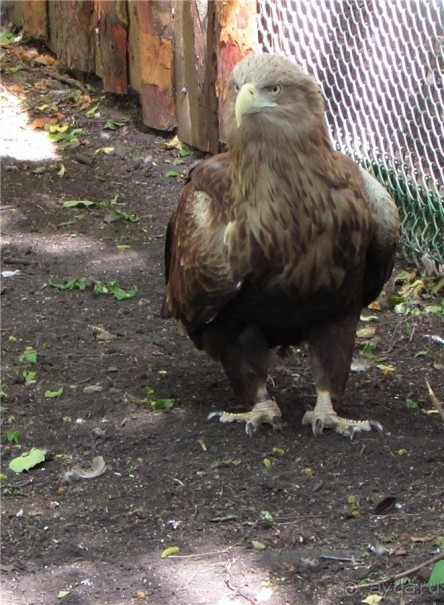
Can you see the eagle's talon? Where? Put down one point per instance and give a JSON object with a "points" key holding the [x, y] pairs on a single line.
{"points": [[318, 427], [351, 432], [250, 428], [376, 425], [214, 415], [263, 412], [276, 423], [326, 418]]}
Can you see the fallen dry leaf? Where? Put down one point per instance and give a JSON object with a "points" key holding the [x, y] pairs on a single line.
{"points": [[366, 332], [202, 444], [102, 334], [42, 122], [372, 599], [174, 143], [421, 538], [25, 54], [45, 60], [374, 306], [98, 467]]}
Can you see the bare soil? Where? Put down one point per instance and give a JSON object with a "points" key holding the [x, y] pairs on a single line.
{"points": [[283, 518]]}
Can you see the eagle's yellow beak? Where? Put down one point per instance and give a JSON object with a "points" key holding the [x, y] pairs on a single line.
{"points": [[248, 101]]}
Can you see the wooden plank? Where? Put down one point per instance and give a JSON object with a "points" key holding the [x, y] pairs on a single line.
{"points": [[35, 18], [236, 33], [156, 61], [134, 69], [13, 12], [72, 33], [194, 74], [112, 38]]}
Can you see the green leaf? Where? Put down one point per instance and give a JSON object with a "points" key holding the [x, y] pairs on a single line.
{"points": [[411, 404], [111, 125], [111, 287], [420, 354], [110, 203], [28, 356], [13, 70], [162, 404], [63, 593], [30, 377], [91, 112], [172, 173], [100, 288], [395, 300], [73, 284], [54, 394], [55, 138], [437, 575], [27, 460], [277, 451], [266, 516], [434, 309], [183, 153], [13, 436], [120, 293], [171, 550], [132, 218], [77, 203]]}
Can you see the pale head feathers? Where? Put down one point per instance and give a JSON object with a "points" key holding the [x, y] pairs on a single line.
{"points": [[293, 108]]}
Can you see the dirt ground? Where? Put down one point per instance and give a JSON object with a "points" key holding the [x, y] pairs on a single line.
{"points": [[282, 518]]}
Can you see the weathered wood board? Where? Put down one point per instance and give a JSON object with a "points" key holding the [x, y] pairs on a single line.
{"points": [[176, 53]]}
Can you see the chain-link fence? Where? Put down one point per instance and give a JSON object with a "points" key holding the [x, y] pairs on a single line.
{"points": [[380, 64]]}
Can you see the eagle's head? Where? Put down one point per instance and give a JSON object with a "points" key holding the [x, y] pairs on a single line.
{"points": [[272, 98]]}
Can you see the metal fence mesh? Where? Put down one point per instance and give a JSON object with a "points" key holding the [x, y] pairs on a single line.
{"points": [[380, 64]]}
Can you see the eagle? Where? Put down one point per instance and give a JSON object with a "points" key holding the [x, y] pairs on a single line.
{"points": [[280, 240]]}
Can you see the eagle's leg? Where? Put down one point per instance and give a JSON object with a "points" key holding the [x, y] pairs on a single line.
{"points": [[245, 359], [331, 349]]}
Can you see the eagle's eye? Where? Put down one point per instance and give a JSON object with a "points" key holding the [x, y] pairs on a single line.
{"points": [[275, 90]]}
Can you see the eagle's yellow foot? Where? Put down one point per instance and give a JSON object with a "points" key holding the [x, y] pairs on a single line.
{"points": [[263, 412], [324, 417]]}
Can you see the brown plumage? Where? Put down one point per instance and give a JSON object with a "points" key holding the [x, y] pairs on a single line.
{"points": [[279, 241]]}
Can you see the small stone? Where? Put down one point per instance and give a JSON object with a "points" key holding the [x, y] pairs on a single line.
{"points": [[93, 388]]}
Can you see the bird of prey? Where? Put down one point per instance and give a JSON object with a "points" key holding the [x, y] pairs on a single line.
{"points": [[279, 241]]}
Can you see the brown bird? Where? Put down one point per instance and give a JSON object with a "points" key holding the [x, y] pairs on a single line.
{"points": [[280, 241]]}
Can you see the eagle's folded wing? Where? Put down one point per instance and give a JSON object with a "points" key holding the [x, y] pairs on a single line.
{"points": [[200, 279]]}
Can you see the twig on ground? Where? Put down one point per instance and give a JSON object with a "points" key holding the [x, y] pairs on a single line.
{"points": [[402, 574], [200, 554], [55, 75], [434, 399]]}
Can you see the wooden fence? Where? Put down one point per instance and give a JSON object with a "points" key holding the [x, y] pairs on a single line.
{"points": [[175, 53]]}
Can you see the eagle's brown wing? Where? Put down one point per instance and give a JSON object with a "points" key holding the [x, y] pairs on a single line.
{"points": [[200, 279], [381, 252]]}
